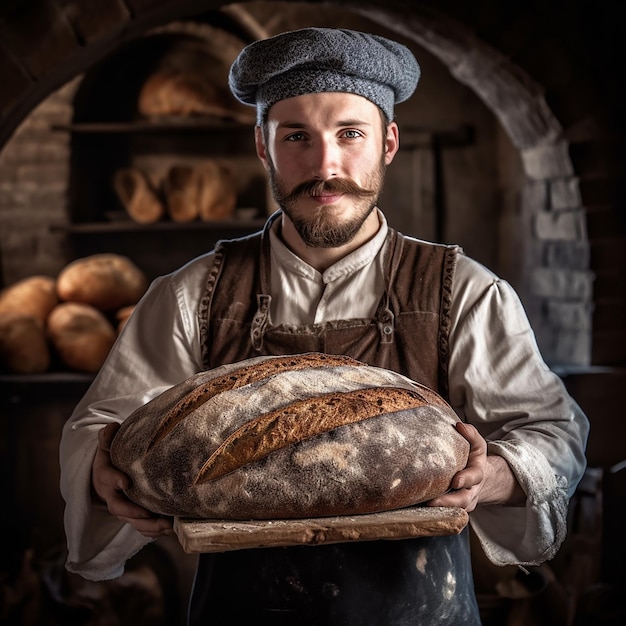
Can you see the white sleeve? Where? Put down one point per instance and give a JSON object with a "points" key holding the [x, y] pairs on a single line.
{"points": [[159, 347], [500, 383]]}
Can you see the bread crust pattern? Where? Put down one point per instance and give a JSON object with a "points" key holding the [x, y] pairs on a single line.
{"points": [[296, 436]]}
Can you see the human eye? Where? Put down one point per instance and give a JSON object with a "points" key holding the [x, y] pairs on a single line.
{"points": [[352, 134], [294, 137]]}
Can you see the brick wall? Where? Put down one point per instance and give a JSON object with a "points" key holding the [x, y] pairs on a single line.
{"points": [[34, 176]]}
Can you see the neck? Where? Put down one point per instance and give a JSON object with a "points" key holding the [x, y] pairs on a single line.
{"points": [[322, 258]]}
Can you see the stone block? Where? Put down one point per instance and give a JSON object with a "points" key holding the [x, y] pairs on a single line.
{"points": [[562, 284], [52, 176], [534, 197], [547, 161], [572, 347], [572, 255], [8, 176], [565, 193], [570, 315], [560, 225], [32, 151]]}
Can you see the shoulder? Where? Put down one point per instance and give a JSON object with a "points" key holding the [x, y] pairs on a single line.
{"points": [[476, 289], [471, 274], [183, 285], [192, 272]]}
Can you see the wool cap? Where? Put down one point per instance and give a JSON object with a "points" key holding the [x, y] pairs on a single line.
{"points": [[315, 60]]}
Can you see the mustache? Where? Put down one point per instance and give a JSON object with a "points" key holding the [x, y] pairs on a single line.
{"points": [[333, 185]]}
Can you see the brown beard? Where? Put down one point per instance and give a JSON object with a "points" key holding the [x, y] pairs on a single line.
{"points": [[321, 230]]}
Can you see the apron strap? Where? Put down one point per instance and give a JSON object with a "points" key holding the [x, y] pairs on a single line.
{"points": [[261, 319], [385, 318]]}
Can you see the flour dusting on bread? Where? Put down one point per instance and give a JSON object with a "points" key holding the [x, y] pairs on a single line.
{"points": [[290, 437]]}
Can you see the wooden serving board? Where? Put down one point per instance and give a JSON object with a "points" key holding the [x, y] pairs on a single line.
{"points": [[224, 535]]}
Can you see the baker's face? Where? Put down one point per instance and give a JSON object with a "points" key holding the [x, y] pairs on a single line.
{"points": [[326, 155]]}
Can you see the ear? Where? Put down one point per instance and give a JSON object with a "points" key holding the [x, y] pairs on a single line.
{"points": [[392, 142], [261, 148]]}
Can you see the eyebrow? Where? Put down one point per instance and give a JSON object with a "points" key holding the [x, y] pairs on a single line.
{"points": [[339, 124]]}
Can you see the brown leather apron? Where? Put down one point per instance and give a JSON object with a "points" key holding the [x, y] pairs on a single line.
{"points": [[388, 583]]}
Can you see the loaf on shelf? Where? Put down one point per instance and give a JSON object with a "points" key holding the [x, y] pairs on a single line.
{"points": [[181, 193], [138, 195], [23, 344], [33, 295], [191, 80], [218, 191], [81, 335], [107, 281], [205, 190], [169, 94]]}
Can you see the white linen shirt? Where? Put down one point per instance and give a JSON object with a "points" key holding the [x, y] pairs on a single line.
{"points": [[497, 378]]}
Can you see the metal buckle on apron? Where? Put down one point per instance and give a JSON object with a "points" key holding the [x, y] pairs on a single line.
{"points": [[386, 326], [260, 321]]}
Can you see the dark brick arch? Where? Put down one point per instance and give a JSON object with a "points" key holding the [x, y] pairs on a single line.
{"points": [[530, 65]]}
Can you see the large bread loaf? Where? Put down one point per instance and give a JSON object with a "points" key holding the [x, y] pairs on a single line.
{"points": [[290, 437]]}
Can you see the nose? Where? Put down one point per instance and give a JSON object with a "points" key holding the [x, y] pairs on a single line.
{"points": [[325, 159]]}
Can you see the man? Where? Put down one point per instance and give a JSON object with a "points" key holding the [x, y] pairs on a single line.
{"points": [[327, 274]]}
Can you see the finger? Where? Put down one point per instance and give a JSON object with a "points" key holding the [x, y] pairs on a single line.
{"points": [[153, 527], [467, 478], [458, 498], [106, 436], [470, 432]]}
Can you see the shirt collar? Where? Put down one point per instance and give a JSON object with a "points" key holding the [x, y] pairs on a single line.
{"points": [[362, 256]]}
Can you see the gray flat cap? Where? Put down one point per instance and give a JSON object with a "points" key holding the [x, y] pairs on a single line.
{"points": [[314, 60]]}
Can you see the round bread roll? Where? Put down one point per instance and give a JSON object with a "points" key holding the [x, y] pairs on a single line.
{"points": [[23, 345], [106, 281], [35, 296], [81, 335], [122, 316], [290, 437]]}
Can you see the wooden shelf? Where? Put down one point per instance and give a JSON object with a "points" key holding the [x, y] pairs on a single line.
{"points": [[128, 226], [156, 126], [41, 389], [45, 378], [98, 221]]}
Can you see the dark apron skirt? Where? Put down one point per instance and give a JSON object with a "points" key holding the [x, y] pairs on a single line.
{"points": [[425, 581]]}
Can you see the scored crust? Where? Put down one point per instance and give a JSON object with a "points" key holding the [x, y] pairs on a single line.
{"points": [[244, 375], [298, 436], [302, 420]]}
